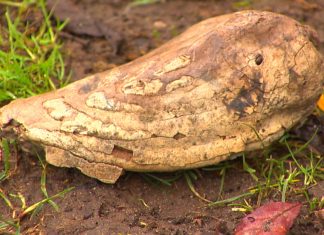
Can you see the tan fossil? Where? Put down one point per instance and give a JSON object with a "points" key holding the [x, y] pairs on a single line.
{"points": [[195, 101]]}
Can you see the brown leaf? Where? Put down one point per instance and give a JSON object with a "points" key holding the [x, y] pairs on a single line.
{"points": [[273, 218], [80, 22]]}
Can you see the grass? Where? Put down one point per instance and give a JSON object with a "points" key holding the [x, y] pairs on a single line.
{"points": [[284, 171], [31, 61], [143, 2], [18, 212], [242, 4], [5, 155], [138, 3], [288, 174]]}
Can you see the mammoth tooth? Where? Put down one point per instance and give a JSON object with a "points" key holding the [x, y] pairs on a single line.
{"points": [[197, 100]]}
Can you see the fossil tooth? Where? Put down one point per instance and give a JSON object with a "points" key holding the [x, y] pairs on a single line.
{"points": [[195, 101]]}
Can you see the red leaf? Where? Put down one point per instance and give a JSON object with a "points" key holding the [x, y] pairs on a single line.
{"points": [[274, 218]]}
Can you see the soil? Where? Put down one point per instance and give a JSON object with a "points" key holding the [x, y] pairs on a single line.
{"points": [[135, 205]]}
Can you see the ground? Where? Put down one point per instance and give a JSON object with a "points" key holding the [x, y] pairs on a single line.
{"points": [[137, 204]]}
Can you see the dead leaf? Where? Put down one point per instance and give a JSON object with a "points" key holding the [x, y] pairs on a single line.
{"points": [[80, 22], [320, 103], [274, 218]]}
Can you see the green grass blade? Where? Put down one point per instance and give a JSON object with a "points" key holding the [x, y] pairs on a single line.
{"points": [[229, 200], [42, 202], [6, 155], [188, 176], [6, 200]]}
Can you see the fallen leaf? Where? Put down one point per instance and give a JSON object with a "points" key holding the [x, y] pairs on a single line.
{"points": [[274, 218], [320, 103], [80, 22]]}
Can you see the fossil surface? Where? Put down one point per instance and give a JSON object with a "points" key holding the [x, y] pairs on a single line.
{"points": [[227, 85]]}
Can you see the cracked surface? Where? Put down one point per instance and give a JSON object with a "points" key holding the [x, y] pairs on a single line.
{"points": [[195, 101]]}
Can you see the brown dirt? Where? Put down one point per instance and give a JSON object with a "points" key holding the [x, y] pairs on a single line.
{"points": [[134, 205]]}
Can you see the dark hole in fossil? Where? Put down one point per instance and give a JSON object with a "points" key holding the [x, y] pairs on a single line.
{"points": [[258, 59], [179, 136], [121, 152]]}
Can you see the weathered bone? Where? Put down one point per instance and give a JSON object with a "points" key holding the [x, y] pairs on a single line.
{"points": [[195, 101]]}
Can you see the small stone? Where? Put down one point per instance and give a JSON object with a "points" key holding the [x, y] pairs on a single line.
{"points": [[159, 24]]}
